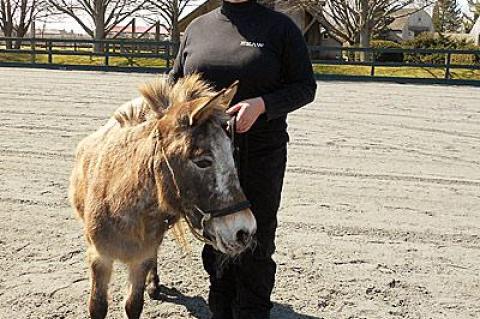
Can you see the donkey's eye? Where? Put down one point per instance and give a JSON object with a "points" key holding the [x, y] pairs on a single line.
{"points": [[203, 163]]}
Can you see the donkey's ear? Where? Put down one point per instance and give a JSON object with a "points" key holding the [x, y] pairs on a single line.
{"points": [[221, 100], [201, 109], [230, 94]]}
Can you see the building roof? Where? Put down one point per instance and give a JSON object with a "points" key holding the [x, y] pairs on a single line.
{"points": [[476, 28], [138, 29], [401, 18], [206, 7]]}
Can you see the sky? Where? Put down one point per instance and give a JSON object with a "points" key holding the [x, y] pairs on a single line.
{"points": [[69, 24]]}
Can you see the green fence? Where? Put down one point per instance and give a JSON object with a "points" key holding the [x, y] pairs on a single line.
{"points": [[441, 65], [437, 65], [117, 54]]}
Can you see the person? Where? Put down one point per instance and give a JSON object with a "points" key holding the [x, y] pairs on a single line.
{"points": [[263, 49]]}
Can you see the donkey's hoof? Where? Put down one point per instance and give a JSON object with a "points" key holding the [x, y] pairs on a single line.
{"points": [[155, 293]]}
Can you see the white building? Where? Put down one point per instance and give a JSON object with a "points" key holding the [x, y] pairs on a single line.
{"points": [[409, 23], [475, 32]]}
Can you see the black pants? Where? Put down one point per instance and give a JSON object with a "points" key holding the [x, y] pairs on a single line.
{"points": [[241, 289]]}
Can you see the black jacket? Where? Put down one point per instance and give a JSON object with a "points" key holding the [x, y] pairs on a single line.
{"points": [[261, 48]]}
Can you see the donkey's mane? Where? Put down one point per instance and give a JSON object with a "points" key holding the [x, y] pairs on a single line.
{"points": [[159, 95], [184, 90]]}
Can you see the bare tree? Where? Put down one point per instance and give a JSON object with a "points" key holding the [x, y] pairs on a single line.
{"points": [[17, 16], [98, 17], [169, 12], [354, 21], [357, 21]]}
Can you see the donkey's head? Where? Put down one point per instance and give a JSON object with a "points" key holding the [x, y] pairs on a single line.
{"points": [[197, 170]]}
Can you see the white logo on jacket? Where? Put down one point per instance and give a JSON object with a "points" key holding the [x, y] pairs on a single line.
{"points": [[252, 44]]}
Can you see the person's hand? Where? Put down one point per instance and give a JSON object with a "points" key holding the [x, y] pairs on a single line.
{"points": [[247, 113]]}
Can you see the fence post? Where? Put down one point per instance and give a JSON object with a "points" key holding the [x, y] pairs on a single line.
{"points": [[32, 41], [372, 69], [448, 59], [50, 54], [34, 53], [167, 52], [107, 53], [157, 36]]}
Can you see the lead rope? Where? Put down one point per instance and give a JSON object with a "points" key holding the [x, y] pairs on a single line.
{"points": [[172, 173], [240, 158], [232, 125]]}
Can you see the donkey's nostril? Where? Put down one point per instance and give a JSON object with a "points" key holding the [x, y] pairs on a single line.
{"points": [[243, 236]]}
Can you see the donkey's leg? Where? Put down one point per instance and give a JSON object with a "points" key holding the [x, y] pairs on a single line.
{"points": [[153, 282], [100, 272], [137, 274]]}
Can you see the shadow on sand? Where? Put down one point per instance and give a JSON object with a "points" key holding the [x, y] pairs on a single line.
{"points": [[198, 308]]}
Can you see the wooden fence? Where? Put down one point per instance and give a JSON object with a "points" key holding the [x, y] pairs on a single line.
{"points": [[444, 59], [131, 50], [44, 52]]}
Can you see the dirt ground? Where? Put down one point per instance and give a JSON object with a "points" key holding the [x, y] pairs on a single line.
{"points": [[380, 215]]}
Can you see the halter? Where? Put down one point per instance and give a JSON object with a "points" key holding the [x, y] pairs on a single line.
{"points": [[207, 215]]}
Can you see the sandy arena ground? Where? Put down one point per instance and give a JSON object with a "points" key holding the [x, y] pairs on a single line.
{"points": [[380, 215]]}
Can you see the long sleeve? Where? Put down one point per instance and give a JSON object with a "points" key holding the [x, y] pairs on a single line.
{"points": [[299, 86], [178, 65]]}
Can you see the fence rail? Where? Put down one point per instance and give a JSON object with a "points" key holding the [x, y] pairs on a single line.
{"points": [[43, 52], [446, 59], [105, 49]]}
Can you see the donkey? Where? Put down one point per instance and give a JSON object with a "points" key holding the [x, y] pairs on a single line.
{"points": [[162, 158]]}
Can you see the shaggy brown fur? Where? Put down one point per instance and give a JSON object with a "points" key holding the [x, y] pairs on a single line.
{"points": [[122, 186]]}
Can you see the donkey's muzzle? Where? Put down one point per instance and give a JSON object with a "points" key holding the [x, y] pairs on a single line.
{"points": [[234, 232]]}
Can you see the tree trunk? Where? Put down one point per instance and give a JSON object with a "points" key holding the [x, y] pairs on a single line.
{"points": [[99, 36], [175, 38], [98, 46], [175, 31], [21, 31], [7, 20], [364, 43], [364, 32], [22, 23], [8, 32], [18, 44], [99, 33]]}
